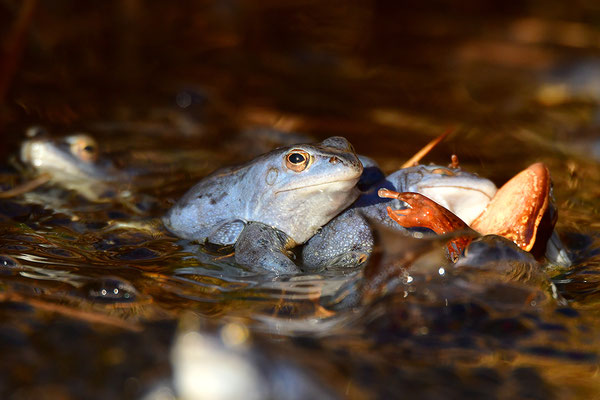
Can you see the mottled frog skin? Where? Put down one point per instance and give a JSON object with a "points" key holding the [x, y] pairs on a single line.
{"points": [[270, 204], [347, 240]]}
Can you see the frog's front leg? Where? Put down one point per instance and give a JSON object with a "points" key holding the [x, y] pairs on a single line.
{"points": [[262, 246], [345, 242]]}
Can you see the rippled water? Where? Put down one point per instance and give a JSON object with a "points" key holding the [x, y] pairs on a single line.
{"points": [[94, 293]]}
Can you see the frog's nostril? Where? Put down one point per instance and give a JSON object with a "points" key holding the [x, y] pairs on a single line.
{"points": [[334, 160]]}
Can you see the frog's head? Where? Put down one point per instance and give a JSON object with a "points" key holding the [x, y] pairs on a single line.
{"points": [[71, 161], [306, 185], [463, 193], [74, 156]]}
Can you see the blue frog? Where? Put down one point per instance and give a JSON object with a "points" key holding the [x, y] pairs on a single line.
{"points": [[272, 204]]}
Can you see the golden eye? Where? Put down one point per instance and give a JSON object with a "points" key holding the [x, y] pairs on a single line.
{"points": [[297, 160], [83, 147], [443, 171]]}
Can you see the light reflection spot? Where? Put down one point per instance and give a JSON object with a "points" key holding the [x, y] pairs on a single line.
{"points": [[234, 335], [422, 330]]}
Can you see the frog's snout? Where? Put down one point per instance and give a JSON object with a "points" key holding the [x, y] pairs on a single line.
{"points": [[334, 160], [30, 151]]}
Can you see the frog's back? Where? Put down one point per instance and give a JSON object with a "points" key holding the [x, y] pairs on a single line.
{"points": [[213, 209]]}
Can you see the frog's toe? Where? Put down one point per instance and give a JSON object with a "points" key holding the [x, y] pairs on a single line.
{"points": [[556, 252], [261, 247], [399, 215], [346, 262]]}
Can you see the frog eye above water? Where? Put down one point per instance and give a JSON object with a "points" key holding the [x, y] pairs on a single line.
{"points": [[297, 160], [83, 147]]}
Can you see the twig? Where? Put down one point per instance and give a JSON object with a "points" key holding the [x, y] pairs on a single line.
{"points": [[25, 187], [72, 312], [414, 160]]}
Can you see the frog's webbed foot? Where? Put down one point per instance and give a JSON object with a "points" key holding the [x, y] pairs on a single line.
{"points": [[522, 211], [345, 242], [260, 246], [517, 209], [425, 213]]}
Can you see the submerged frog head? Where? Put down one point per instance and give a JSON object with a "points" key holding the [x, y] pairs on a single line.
{"points": [[72, 161], [463, 193], [295, 189]]}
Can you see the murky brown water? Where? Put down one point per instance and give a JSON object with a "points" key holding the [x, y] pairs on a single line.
{"points": [[91, 304]]}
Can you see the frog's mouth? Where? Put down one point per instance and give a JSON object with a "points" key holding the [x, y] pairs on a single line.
{"points": [[335, 182]]}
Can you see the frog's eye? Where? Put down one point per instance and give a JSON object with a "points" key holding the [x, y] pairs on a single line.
{"points": [[297, 160], [84, 148], [443, 171]]}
